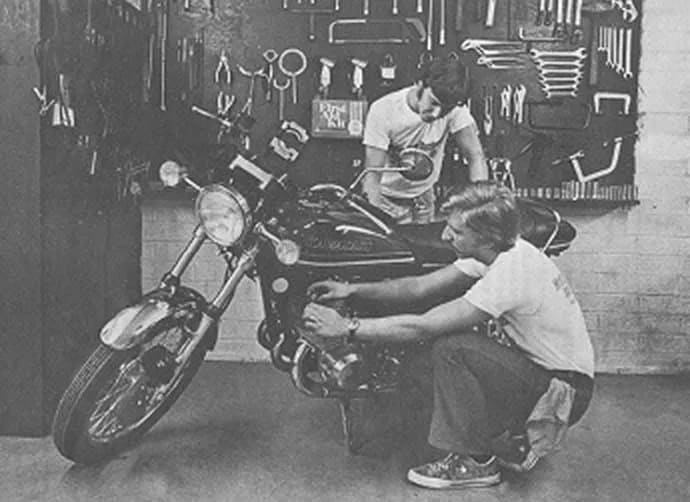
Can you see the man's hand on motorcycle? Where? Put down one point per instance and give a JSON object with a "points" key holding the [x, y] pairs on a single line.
{"points": [[324, 321], [324, 291]]}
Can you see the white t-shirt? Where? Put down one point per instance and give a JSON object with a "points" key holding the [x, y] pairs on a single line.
{"points": [[391, 125], [526, 289]]}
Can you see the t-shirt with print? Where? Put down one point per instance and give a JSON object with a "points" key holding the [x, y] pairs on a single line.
{"points": [[525, 288], [392, 125]]}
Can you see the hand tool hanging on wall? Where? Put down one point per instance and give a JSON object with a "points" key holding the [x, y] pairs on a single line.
{"points": [[245, 121], [629, 11], [327, 66], [559, 29], [387, 70], [368, 31], [490, 13], [442, 23], [293, 73], [223, 73], [164, 7], [548, 15], [574, 161], [358, 77], [270, 56], [430, 26], [628, 53], [598, 97], [42, 96], [63, 113], [577, 33], [281, 88], [541, 11]]}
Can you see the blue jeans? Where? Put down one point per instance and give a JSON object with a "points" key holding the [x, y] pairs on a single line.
{"points": [[481, 389]]}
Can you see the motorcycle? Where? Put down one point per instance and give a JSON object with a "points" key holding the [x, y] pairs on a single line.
{"points": [[285, 237]]}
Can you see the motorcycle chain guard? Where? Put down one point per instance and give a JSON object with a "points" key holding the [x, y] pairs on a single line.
{"points": [[131, 326]]}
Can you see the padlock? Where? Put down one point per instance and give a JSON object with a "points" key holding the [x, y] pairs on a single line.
{"points": [[387, 68]]}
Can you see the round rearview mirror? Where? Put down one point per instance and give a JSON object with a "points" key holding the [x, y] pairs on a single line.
{"points": [[418, 163], [171, 173]]}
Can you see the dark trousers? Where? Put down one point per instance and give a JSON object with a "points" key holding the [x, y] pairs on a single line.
{"points": [[480, 389]]}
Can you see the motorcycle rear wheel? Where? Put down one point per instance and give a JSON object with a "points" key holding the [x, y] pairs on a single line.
{"points": [[100, 414]]}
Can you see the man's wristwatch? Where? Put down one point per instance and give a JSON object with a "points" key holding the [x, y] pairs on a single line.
{"points": [[352, 328]]}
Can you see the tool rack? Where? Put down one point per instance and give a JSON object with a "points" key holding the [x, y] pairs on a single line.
{"points": [[556, 79]]}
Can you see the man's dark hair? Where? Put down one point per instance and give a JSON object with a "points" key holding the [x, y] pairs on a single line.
{"points": [[447, 78], [488, 209]]}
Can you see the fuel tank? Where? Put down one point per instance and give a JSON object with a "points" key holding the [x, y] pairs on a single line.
{"points": [[344, 232]]}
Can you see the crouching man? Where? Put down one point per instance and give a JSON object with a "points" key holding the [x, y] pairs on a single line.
{"points": [[481, 388]]}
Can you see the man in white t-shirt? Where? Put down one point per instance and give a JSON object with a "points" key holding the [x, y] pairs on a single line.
{"points": [[481, 388], [420, 116]]}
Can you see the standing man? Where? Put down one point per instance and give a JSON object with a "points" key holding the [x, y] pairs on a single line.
{"points": [[481, 388], [420, 116]]}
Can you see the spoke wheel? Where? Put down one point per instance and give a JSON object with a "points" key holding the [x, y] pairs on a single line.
{"points": [[118, 395]]}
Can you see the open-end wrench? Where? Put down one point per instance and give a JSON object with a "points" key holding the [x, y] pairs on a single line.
{"points": [[541, 12], [430, 26], [569, 15], [420, 6], [620, 63], [559, 72], [478, 44], [628, 53], [493, 62], [578, 53], [365, 8], [614, 46], [506, 101], [548, 16], [510, 51], [559, 27], [519, 95], [608, 43], [395, 8], [442, 23], [281, 88], [559, 63], [490, 13], [577, 33]]}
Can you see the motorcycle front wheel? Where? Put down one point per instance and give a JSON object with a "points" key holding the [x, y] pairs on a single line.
{"points": [[116, 396]]}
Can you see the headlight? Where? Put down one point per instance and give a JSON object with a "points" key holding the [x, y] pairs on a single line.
{"points": [[224, 214]]}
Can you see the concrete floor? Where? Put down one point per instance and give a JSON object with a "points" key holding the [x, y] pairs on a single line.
{"points": [[242, 432]]}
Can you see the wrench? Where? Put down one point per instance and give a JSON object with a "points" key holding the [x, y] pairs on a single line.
{"points": [[580, 53], [490, 13], [543, 64], [492, 62], [620, 68], [420, 6], [506, 97], [548, 16], [524, 38], [442, 22], [281, 88], [488, 122], [476, 43], [577, 28], [559, 27], [548, 72], [429, 26], [519, 104], [365, 8], [628, 53], [541, 12], [569, 15], [395, 8]]}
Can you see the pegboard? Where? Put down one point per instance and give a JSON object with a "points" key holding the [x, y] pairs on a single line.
{"points": [[556, 127]]}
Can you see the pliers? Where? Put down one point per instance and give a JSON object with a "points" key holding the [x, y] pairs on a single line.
{"points": [[223, 74]]}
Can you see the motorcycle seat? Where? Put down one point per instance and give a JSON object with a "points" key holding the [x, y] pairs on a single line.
{"points": [[537, 223], [425, 242]]}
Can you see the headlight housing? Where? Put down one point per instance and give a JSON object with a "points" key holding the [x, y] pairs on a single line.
{"points": [[224, 214]]}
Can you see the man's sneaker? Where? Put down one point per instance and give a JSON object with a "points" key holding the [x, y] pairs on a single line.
{"points": [[513, 452], [455, 471]]}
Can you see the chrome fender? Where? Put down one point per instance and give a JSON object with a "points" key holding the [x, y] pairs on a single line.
{"points": [[130, 326]]}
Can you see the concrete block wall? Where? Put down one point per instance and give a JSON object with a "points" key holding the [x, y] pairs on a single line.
{"points": [[630, 267]]}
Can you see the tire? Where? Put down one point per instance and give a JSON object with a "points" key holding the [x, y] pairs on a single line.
{"points": [[94, 384]]}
